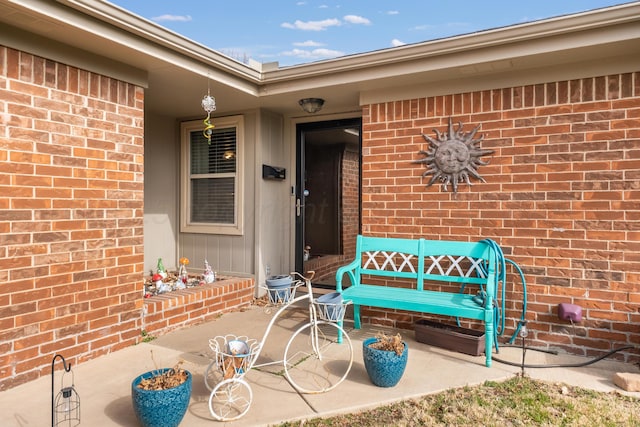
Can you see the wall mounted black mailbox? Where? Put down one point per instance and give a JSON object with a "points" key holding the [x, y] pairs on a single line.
{"points": [[273, 172]]}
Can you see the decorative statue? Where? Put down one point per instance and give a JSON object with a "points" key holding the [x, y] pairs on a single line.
{"points": [[183, 276], [160, 269], [161, 287], [209, 275]]}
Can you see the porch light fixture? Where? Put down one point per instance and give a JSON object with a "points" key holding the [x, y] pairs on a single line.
{"points": [[311, 105]]}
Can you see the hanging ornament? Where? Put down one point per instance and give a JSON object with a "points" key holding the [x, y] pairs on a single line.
{"points": [[209, 106]]}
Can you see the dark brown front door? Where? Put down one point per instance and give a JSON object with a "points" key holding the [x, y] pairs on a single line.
{"points": [[327, 193]]}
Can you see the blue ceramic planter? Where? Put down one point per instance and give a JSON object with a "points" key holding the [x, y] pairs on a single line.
{"points": [[330, 306], [160, 408], [279, 288], [385, 368]]}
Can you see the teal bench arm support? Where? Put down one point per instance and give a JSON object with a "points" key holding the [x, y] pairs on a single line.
{"points": [[352, 270], [349, 270]]}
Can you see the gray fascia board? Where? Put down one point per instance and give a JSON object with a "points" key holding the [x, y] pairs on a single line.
{"points": [[120, 26]]}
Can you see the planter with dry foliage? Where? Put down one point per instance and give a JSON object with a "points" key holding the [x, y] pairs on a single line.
{"points": [[161, 397], [385, 359]]}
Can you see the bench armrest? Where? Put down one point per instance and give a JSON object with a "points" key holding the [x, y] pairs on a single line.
{"points": [[350, 270]]}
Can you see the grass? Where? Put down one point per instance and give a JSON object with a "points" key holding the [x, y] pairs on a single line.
{"points": [[146, 337], [519, 401]]}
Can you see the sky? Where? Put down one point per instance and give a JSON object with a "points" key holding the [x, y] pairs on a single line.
{"points": [[293, 32]]}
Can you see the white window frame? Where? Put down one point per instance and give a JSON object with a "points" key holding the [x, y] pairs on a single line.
{"points": [[186, 225]]}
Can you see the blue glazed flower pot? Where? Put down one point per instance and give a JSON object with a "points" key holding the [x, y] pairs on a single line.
{"points": [[160, 408], [385, 368]]}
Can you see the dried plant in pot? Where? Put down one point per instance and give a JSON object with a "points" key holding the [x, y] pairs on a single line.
{"points": [[385, 358], [161, 397]]}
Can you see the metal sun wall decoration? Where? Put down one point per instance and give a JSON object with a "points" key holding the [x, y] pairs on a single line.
{"points": [[453, 156]]}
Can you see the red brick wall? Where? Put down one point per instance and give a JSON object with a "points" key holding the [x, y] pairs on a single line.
{"points": [[562, 198], [71, 215], [174, 310], [350, 202]]}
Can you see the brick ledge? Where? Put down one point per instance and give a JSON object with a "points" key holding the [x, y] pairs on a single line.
{"points": [[178, 309]]}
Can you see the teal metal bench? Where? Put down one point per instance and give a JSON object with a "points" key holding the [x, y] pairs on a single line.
{"points": [[428, 276]]}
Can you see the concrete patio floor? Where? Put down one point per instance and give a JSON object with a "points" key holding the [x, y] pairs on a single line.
{"points": [[104, 384]]}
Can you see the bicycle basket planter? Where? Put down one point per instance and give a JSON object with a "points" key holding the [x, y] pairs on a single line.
{"points": [[384, 367], [330, 307], [280, 289], [233, 354], [162, 407]]}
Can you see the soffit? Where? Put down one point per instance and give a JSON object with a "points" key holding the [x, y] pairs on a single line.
{"points": [[176, 78], [178, 71]]}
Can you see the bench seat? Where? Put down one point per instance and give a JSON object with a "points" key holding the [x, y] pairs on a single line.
{"points": [[433, 302]]}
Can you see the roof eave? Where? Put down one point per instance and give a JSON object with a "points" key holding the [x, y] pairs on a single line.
{"points": [[148, 30], [569, 25]]}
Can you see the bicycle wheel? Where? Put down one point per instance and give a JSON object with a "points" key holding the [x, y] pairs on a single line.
{"points": [[314, 362], [212, 375], [230, 399]]}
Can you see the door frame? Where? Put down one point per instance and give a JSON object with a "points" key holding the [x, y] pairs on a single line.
{"points": [[299, 214]]}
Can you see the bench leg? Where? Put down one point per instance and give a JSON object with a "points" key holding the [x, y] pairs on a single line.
{"points": [[356, 321], [488, 343], [356, 316]]}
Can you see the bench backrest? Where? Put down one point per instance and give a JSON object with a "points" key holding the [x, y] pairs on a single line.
{"points": [[432, 260]]}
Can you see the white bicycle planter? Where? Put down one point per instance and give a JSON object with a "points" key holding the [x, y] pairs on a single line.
{"points": [[314, 361]]}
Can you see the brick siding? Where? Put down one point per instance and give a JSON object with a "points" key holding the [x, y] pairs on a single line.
{"points": [[174, 310], [562, 197], [350, 206], [71, 214]]}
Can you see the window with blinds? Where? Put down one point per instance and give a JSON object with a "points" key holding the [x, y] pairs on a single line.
{"points": [[211, 178]]}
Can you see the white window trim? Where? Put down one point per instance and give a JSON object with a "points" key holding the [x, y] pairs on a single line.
{"points": [[186, 226]]}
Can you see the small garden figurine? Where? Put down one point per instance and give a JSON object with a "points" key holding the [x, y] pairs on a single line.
{"points": [[209, 275], [183, 276], [160, 269], [161, 287]]}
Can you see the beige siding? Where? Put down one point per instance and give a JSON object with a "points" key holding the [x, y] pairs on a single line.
{"points": [[228, 254], [273, 219], [161, 192]]}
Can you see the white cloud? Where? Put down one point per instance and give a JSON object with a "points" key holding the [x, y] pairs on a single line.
{"points": [[327, 53], [311, 25], [308, 43], [355, 19], [396, 43], [301, 3], [392, 12], [447, 26], [313, 54], [174, 18]]}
